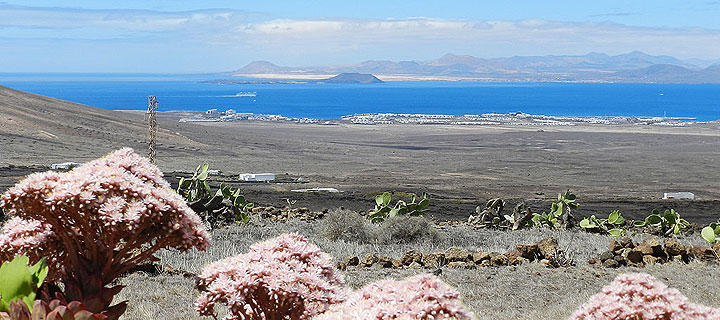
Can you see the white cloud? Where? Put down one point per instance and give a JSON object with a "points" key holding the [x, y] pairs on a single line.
{"points": [[483, 38], [228, 38], [132, 20]]}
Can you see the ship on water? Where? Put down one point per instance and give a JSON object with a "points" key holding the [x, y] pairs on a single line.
{"points": [[246, 94]]}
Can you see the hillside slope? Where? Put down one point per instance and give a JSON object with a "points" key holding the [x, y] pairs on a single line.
{"points": [[35, 129]]}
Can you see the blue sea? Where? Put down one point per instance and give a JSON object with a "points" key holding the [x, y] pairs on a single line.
{"points": [[326, 101]]}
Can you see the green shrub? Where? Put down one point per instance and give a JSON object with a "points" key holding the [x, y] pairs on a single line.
{"points": [[226, 205], [611, 226], [383, 209], [669, 221], [402, 230], [346, 225], [560, 212], [196, 187]]}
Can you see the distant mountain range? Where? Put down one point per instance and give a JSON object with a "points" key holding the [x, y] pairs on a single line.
{"points": [[635, 66]]}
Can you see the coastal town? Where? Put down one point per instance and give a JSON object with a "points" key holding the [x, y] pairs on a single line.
{"points": [[514, 118]]}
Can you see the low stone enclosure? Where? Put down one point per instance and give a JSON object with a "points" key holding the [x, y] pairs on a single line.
{"points": [[623, 252]]}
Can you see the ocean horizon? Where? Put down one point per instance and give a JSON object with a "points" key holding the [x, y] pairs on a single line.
{"points": [[176, 92]]}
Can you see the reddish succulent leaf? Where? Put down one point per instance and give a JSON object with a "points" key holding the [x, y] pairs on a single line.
{"points": [[19, 310], [53, 315], [115, 311], [54, 304], [84, 315], [76, 306], [40, 310]]}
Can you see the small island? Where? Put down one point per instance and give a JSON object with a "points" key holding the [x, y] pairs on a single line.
{"points": [[352, 77]]}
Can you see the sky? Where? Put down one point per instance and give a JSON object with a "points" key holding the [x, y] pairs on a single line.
{"points": [[178, 36]]}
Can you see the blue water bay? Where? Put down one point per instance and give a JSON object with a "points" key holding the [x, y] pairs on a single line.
{"points": [[325, 101]]}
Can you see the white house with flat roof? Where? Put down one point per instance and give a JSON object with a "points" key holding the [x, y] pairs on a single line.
{"points": [[679, 195], [64, 165], [257, 176]]}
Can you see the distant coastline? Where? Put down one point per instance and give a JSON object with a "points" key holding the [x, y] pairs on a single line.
{"points": [[488, 119], [333, 101]]}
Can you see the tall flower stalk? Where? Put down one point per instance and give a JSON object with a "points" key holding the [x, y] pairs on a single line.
{"points": [[96, 222]]}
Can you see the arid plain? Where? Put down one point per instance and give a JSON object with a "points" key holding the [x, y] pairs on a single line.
{"points": [[608, 167]]}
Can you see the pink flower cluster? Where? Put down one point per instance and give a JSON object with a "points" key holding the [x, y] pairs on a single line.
{"points": [[420, 297], [106, 216], [32, 238], [639, 296], [282, 278]]}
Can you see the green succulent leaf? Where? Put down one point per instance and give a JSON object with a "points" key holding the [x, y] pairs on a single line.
{"points": [[226, 191], [653, 219], [393, 212], [614, 217], [203, 171], [379, 200], [20, 281], [616, 232], [181, 184], [239, 201], [587, 224], [708, 233], [620, 221], [670, 217], [39, 271], [556, 209]]}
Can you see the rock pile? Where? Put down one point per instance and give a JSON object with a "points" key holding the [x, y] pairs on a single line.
{"points": [[545, 251], [625, 252], [282, 215]]}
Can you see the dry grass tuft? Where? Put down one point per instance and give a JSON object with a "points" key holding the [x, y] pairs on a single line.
{"points": [[347, 226], [404, 230]]}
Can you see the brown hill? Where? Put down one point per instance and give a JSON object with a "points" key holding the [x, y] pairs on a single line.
{"points": [[36, 129]]}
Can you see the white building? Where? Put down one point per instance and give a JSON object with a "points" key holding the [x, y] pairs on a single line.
{"points": [[329, 190], [257, 176], [679, 195], [64, 165]]}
